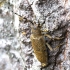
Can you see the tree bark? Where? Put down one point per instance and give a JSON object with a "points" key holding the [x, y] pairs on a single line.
{"points": [[15, 44]]}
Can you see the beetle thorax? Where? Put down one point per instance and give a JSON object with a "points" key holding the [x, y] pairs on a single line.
{"points": [[36, 31]]}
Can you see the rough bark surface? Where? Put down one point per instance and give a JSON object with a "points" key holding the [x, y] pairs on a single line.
{"points": [[16, 52]]}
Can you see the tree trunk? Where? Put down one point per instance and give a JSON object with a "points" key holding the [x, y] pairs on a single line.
{"points": [[15, 30]]}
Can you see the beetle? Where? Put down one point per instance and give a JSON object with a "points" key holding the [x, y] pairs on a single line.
{"points": [[39, 44]]}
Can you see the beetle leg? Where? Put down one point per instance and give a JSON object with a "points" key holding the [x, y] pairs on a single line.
{"points": [[44, 65], [45, 30], [48, 36], [49, 47], [53, 38], [57, 38], [58, 46], [52, 49]]}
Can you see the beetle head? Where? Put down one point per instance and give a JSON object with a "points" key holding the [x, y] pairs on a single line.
{"points": [[36, 29]]}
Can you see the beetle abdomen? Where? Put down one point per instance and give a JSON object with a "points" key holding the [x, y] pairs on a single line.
{"points": [[38, 44]]}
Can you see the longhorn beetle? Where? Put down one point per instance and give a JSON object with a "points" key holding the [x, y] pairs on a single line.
{"points": [[39, 44]]}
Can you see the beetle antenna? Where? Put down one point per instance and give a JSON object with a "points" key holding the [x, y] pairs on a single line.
{"points": [[42, 23], [39, 23], [27, 20]]}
